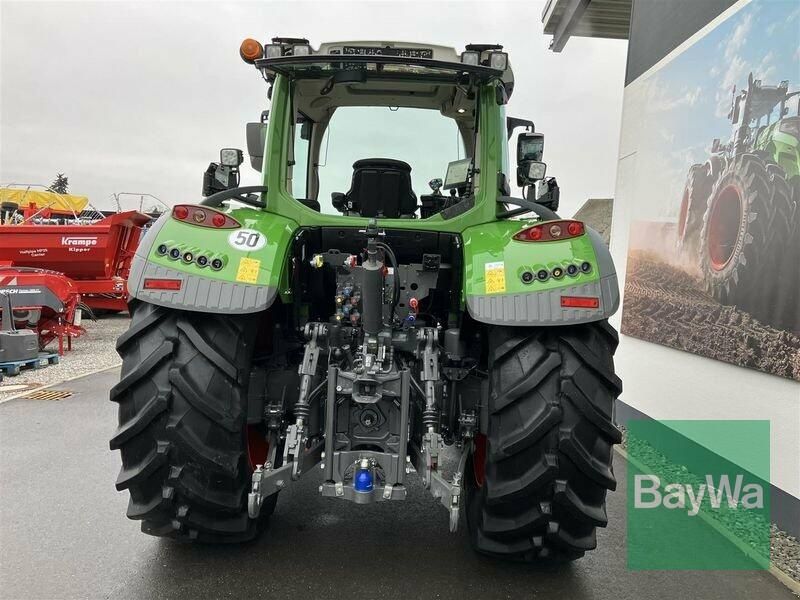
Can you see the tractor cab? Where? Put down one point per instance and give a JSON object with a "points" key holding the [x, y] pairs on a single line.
{"points": [[374, 124], [758, 113]]}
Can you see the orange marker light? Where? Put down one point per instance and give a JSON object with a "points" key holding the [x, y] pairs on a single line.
{"points": [[251, 50]]}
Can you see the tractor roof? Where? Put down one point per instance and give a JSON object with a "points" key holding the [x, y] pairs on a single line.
{"points": [[766, 97], [409, 61]]}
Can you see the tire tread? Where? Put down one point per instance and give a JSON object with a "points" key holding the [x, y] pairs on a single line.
{"points": [[549, 442]]}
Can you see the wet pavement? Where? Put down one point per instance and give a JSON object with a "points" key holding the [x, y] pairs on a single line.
{"points": [[63, 534]]}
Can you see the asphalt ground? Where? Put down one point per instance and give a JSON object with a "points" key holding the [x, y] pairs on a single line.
{"points": [[64, 534]]}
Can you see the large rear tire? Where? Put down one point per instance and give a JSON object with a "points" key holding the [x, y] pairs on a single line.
{"points": [[778, 301], [537, 481], [747, 231], [693, 204], [182, 424]]}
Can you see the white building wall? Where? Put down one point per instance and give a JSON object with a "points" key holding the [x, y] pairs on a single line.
{"points": [[665, 383]]}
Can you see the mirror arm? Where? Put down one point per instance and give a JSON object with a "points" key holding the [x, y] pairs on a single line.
{"points": [[241, 194], [513, 122], [526, 206]]}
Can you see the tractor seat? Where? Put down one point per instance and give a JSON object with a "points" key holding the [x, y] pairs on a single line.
{"points": [[381, 187]]}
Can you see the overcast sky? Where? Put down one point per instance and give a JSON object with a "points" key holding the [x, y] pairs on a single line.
{"points": [[140, 96]]}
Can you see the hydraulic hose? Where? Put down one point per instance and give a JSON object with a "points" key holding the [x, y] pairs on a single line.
{"points": [[396, 278], [526, 206]]}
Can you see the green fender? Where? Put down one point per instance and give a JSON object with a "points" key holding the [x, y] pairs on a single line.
{"points": [[498, 291], [249, 279]]}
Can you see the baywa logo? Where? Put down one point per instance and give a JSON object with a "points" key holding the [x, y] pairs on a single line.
{"points": [[698, 485], [82, 241], [647, 494]]}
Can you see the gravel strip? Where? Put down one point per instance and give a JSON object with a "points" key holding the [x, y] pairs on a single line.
{"points": [[91, 352], [784, 548]]}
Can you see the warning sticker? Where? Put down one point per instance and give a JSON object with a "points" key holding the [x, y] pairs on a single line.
{"points": [[248, 270], [495, 275]]}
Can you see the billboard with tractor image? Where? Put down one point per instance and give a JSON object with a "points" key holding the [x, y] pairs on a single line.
{"points": [[714, 247]]}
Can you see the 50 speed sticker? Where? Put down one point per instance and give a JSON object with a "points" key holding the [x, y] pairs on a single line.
{"points": [[247, 240]]}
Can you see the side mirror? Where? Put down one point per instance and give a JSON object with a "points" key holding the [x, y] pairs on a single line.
{"points": [[530, 172], [530, 149], [530, 146], [305, 130], [256, 138]]}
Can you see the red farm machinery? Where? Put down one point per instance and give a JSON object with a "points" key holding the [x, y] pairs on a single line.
{"points": [[56, 256]]}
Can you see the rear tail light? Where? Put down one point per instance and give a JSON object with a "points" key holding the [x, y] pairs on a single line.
{"points": [[551, 231], [173, 285], [204, 217], [575, 228], [579, 302]]}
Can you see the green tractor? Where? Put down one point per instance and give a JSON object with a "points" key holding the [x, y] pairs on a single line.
{"points": [[276, 328], [738, 215]]}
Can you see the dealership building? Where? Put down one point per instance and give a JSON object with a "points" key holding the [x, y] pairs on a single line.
{"points": [[688, 351]]}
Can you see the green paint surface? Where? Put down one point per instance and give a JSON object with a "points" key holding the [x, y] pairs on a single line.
{"points": [[783, 147], [214, 243], [493, 243]]}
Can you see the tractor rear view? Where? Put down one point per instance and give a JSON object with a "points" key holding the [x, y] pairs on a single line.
{"points": [[343, 318], [738, 216]]}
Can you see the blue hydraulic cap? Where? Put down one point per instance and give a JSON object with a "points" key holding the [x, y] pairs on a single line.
{"points": [[363, 480]]}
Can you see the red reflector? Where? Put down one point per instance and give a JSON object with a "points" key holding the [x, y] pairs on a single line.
{"points": [[579, 302], [218, 220], [180, 212], [575, 228], [163, 284]]}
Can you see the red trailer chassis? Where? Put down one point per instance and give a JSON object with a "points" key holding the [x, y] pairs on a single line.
{"points": [[97, 257]]}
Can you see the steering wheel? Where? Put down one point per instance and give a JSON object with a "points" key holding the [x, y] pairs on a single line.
{"points": [[244, 195]]}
